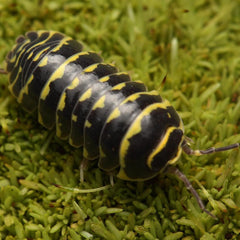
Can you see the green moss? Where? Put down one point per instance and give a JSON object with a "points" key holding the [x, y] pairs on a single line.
{"points": [[196, 45]]}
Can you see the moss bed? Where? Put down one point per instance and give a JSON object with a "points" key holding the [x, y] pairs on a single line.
{"points": [[195, 45]]}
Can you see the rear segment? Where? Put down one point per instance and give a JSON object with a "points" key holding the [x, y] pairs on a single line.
{"points": [[150, 140]]}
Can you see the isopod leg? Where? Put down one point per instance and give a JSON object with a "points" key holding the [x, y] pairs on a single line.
{"points": [[189, 186], [111, 180], [83, 167]]}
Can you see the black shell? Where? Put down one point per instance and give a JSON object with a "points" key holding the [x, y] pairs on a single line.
{"points": [[132, 131]]}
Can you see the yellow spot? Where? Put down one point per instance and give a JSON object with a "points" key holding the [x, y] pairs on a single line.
{"points": [[43, 62], [73, 84], [85, 153], [74, 118], [86, 95], [119, 86], [87, 124], [104, 79], [58, 130], [99, 103], [101, 153], [115, 114], [122, 175], [91, 68], [61, 104], [132, 98]]}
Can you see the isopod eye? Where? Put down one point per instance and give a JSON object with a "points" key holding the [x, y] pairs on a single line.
{"points": [[169, 149]]}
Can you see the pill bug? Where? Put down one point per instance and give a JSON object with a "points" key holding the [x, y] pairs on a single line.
{"points": [[131, 131]]}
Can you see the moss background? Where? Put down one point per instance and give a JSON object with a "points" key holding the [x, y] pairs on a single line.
{"points": [[196, 44]]}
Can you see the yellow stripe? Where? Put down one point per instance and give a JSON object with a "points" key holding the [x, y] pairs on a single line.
{"points": [[58, 73], [12, 60], [85, 53], [132, 98], [104, 79], [160, 146], [30, 55], [40, 120], [15, 65], [121, 73], [61, 43], [61, 104], [135, 96], [135, 128], [172, 161], [119, 86], [91, 68], [39, 54], [122, 175], [29, 49], [24, 90], [43, 63]]}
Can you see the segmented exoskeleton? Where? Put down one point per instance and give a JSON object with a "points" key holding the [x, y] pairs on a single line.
{"points": [[130, 130]]}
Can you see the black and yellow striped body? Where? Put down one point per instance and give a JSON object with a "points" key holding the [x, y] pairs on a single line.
{"points": [[132, 131]]}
